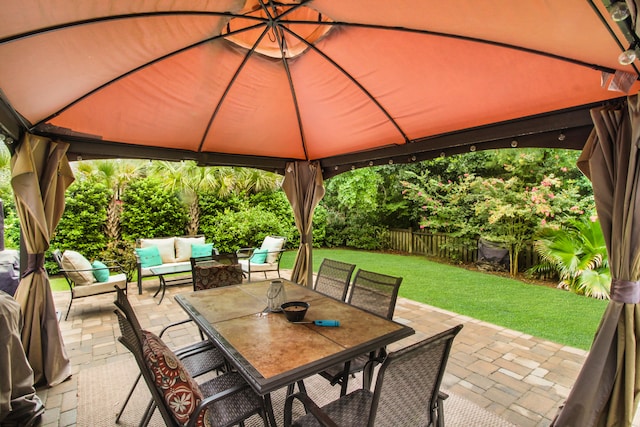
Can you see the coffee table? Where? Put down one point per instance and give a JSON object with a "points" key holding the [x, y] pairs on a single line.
{"points": [[163, 270]]}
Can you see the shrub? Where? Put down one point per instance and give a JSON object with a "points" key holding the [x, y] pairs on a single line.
{"points": [[122, 252], [81, 226], [246, 228], [149, 210]]}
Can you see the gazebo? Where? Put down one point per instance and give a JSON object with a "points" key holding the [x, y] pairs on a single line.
{"points": [[313, 88]]}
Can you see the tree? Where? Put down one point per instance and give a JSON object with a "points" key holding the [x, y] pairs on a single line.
{"points": [[352, 201]]}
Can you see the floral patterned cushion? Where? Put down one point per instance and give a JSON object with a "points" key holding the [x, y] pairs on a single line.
{"points": [[180, 391], [215, 276]]}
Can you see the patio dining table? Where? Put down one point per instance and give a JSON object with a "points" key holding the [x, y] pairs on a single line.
{"points": [[269, 351]]}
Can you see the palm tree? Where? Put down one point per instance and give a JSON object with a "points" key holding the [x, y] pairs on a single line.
{"points": [[190, 180], [115, 174], [578, 254]]}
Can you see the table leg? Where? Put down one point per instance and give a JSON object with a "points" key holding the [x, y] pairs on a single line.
{"points": [[271, 418], [163, 287], [367, 372]]}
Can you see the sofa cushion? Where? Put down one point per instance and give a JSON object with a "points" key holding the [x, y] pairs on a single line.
{"points": [[179, 390], [273, 245], [166, 247], [72, 260], [101, 272], [146, 271], [149, 256], [183, 247], [201, 250], [97, 288]]}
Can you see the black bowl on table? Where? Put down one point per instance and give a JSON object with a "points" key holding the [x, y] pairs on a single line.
{"points": [[295, 310]]}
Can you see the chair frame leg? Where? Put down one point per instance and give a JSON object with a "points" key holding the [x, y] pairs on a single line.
{"points": [[126, 400], [69, 308]]}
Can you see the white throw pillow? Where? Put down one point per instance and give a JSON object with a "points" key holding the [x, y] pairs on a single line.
{"points": [[183, 247], [273, 245], [166, 247], [72, 260]]}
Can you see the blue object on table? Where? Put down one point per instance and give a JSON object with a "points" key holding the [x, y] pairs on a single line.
{"points": [[326, 322]]}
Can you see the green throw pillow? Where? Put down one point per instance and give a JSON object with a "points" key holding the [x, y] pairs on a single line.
{"points": [[149, 256], [201, 250], [102, 272], [259, 256]]}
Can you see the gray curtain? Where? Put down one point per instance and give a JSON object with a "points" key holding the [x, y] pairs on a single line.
{"points": [[304, 188], [40, 174], [606, 390]]}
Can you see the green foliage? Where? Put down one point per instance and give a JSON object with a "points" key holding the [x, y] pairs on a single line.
{"points": [[577, 253], [353, 202], [245, 228], [11, 225], [519, 192], [81, 226], [150, 210], [122, 252], [319, 227]]}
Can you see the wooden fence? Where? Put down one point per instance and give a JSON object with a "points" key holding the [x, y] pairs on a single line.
{"points": [[442, 245]]}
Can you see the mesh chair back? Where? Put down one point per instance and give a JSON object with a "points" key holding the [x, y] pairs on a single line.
{"points": [[226, 258], [133, 342], [122, 302], [207, 276], [409, 381], [333, 278], [375, 292]]}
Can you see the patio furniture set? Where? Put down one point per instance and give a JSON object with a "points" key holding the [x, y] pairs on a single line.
{"points": [[166, 258], [252, 352]]}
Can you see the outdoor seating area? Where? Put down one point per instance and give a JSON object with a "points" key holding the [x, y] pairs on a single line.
{"points": [[494, 376], [87, 279]]}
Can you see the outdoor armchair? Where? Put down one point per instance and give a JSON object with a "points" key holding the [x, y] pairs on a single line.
{"points": [[263, 259], [406, 393], [86, 279]]}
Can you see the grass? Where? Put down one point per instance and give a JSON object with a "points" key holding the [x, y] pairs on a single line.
{"points": [[541, 311]]}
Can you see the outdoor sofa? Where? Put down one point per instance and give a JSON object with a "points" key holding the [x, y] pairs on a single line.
{"points": [[176, 250]]}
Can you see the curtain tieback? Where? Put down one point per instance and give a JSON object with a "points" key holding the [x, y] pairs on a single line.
{"points": [[35, 262], [625, 291]]}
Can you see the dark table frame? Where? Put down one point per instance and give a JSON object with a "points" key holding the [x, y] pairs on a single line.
{"points": [[217, 304]]}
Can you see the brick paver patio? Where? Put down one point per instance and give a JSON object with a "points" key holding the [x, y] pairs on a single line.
{"points": [[521, 378]]}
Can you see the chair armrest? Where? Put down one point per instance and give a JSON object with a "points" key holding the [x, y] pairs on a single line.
{"points": [[110, 268], [178, 323], [245, 252], [310, 406]]}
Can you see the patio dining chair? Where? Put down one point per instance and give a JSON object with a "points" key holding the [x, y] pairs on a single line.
{"points": [[374, 292], [214, 274], [333, 278], [407, 391], [198, 358], [224, 400]]}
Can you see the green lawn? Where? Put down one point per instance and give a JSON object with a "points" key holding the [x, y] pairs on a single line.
{"points": [[540, 311], [544, 312]]}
